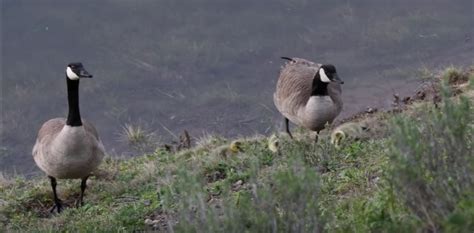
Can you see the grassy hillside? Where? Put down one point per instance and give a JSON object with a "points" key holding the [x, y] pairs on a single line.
{"points": [[413, 172]]}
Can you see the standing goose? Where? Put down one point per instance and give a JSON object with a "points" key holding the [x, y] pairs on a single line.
{"points": [[308, 94], [69, 148]]}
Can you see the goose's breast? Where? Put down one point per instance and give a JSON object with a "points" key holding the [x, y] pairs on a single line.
{"points": [[318, 111], [73, 154]]}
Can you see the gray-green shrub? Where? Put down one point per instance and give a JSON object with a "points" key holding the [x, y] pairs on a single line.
{"points": [[433, 164]]}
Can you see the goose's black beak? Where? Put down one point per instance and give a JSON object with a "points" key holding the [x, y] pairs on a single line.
{"points": [[84, 74], [335, 78]]}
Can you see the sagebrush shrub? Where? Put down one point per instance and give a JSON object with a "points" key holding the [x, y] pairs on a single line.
{"points": [[432, 160]]}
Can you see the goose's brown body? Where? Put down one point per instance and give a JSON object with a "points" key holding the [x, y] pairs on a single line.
{"points": [[66, 152], [293, 97]]}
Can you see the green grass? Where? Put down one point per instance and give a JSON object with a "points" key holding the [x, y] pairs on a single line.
{"points": [[418, 178]]}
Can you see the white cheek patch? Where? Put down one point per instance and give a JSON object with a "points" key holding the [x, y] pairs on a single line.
{"points": [[70, 74], [323, 76]]}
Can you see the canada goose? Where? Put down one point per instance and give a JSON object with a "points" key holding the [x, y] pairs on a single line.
{"points": [[346, 132], [308, 94], [69, 148]]}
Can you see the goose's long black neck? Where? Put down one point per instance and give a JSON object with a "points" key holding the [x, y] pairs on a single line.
{"points": [[74, 116], [319, 87]]}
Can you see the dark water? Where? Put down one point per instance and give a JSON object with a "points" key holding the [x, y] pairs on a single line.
{"points": [[208, 66]]}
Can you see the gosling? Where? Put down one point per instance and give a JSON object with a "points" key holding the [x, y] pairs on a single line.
{"points": [[274, 144], [229, 150], [348, 132]]}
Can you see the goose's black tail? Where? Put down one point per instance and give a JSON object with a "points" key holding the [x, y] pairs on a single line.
{"points": [[288, 58]]}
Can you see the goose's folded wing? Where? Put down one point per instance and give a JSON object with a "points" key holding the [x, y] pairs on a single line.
{"points": [[295, 82], [47, 133]]}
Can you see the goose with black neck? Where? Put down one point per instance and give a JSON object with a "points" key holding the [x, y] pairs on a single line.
{"points": [[69, 148], [308, 94]]}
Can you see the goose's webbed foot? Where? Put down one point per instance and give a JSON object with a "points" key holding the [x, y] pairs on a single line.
{"points": [[57, 205]]}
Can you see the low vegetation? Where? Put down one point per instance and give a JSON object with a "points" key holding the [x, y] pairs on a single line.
{"points": [[136, 137], [416, 175]]}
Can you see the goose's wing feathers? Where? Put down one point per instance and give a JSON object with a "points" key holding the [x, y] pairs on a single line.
{"points": [[48, 132], [301, 61], [294, 84]]}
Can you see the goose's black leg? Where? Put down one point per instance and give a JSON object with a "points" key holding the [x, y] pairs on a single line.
{"points": [[316, 138], [57, 201], [287, 127], [83, 188]]}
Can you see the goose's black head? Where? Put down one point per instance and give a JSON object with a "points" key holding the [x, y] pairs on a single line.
{"points": [[75, 71], [328, 73]]}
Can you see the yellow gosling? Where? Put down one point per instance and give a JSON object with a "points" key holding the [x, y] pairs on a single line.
{"points": [[228, 150], [347, 132], [274, 144]]}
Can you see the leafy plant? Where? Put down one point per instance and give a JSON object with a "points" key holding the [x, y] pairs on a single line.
{"points": [[433, 161]]}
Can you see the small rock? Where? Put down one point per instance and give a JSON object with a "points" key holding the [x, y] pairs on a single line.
{"points": [[237, 185], [371, 110], [146, 202], [156, 221], [421, 95], [396, 100], [406, 100], [148, 222]]}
